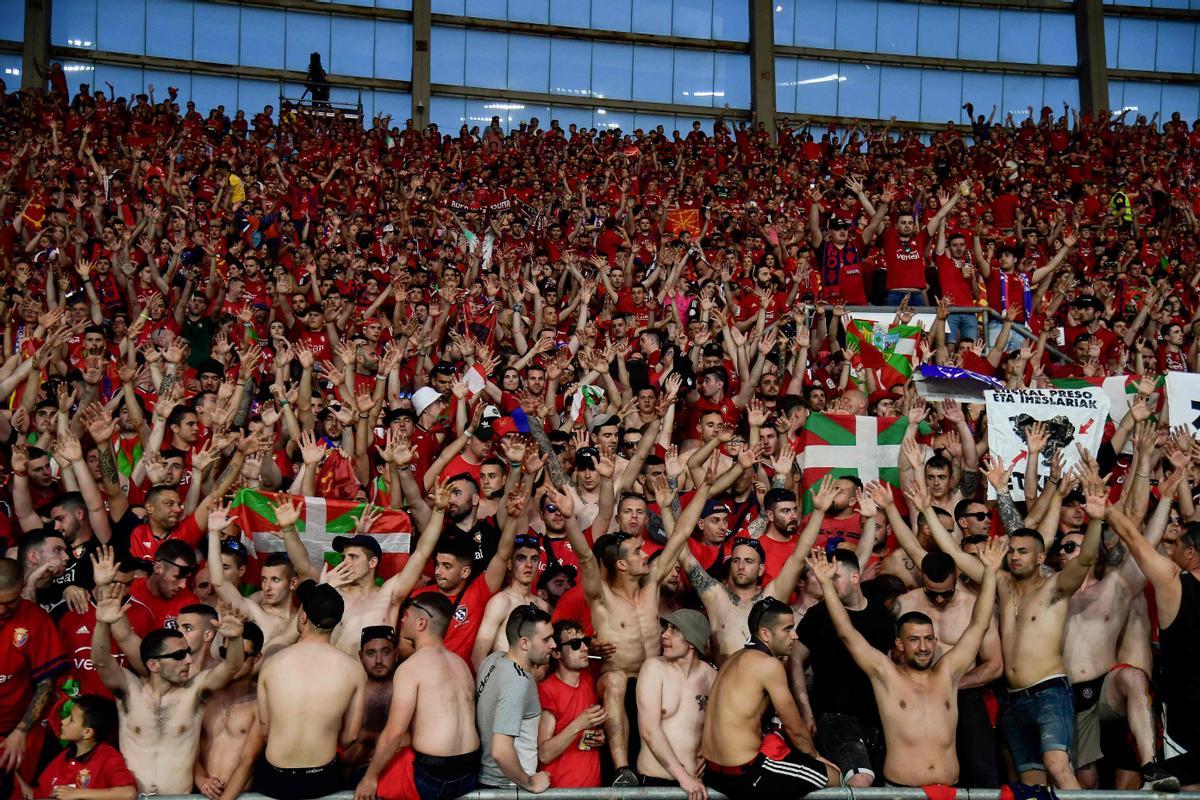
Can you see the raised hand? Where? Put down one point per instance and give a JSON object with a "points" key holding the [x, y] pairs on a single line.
{"points": [[822, 568], [997, 474], [109, 603], [219, 518], [439, 498], [992, 553], [287, 512], [231, 622], [312, 450], [919, 498], [368, 518], [1036, 437], [823, 496], [867, 507], [104, 565]]}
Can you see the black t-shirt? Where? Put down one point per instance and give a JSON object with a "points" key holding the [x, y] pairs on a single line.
{"points": [[486, 535], [839, 686]]}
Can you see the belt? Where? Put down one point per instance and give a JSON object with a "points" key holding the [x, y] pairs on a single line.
{"points": [[721, 769], [1030, 691]]}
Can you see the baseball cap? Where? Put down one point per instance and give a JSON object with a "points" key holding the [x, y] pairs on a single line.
{"points": [[693, 625], [714, 507], [605, 419], [837, 223], [377, 632], [423, 398], [555, 569], [340, 543], [503, 426], [321, 603]]}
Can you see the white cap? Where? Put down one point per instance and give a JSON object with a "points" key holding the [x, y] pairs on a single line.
{"points": [[491, 412], [424, 397]]}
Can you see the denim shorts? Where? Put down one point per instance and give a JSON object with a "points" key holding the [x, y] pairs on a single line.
{"points": [[1038, 719], [963, 328]]}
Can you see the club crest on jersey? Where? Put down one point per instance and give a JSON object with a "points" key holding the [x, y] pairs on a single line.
{"points": [[460, 615], [83, 778], [20, 637]]}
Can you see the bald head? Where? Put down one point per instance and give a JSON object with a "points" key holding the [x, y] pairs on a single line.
{"points": [[854, 402], [10, 574]]}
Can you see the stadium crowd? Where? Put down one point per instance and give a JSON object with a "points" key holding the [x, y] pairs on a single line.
{"points": [[545, 397]]}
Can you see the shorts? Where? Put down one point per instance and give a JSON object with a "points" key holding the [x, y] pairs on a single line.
{"points": [[1036, 720], [1181, 759], [975, 740], [779, 771], [415, 775], [653, 782], [854, 747], [299, 782], [1091, 711], [963, 328]]}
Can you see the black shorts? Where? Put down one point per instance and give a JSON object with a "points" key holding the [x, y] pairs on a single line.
{"points": [[778, 771], [854, 747], [300, 782]]}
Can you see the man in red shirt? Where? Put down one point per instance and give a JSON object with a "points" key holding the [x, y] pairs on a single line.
{"points": [[570, 733], [1012, 284], [956, 274], [164, 508], [165, 592], [31, 657], [75, 629], [840, 254], [905, 248]]}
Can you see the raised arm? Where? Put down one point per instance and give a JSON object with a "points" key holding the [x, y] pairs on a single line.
{"points": [[967, 564], [961, 658], [871, 661], [400, 585]]}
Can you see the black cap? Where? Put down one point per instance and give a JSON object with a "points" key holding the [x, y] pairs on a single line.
{"points": [[377, 632], [321, 603], [837, 223], [340, 543], [555, 569]]}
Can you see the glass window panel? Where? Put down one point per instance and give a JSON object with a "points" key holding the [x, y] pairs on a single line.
{"points": [[1056, 41], [1142, 98], [731, 80], [938, 31], [615, 77], [858, 95], [817, 87], [731, 20], [121, 26], [785, 20], [457, 7], [393, 50], [650, 122], [611, 15], [447, 55], [397, 105], [170, 23], [692, 18], [572, 13], [652, 71], [979, 33], [488, 9], [1196, 52], [693, 77], [73, 24], [12, 21], [1116, 93], [480, 112], [367, 4], [348, 95], [567, 116], [1020, 92], [162, 79], [254, 95], [126, 80], [448, 113], [571, 67], [216, 37], [1184, 99], [816, 23], [941, 95], [607, 119], [898, 28], [983, 90], [487, 59], [1019, 36], [353, 46], [537, 11], [1112, 41], [403, 5], [1056, 91], [900, 93], [652, 16], [262, 46], [785, 85], [1169, 3], [305, 34], [529, 63], [210, 91], [856, 24], [1139, 37], [1176, 45]]}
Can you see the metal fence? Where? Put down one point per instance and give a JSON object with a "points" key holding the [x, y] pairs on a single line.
{"points": [[874, 793]]}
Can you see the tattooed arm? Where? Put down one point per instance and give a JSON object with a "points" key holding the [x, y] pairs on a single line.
{"points": [[1009, 515]]}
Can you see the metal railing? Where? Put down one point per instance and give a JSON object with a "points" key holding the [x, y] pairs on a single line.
{"points": [[659, 793]]}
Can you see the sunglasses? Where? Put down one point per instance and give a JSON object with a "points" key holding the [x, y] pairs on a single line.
{"points": [[184, 569], [945, 594], [550, 508], [746, 541], [979, 515], [222, 650], [529, 541], [177, 655], [577, 642], [1071, 547]]}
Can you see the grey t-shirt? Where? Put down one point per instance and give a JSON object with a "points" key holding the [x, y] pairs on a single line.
{"points": [[506, 702]]}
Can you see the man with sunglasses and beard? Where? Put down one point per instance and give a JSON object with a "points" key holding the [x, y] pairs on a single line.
{"points": [[949, 604], [165, 591], [161, 714], [521, 591], [570, 731]]}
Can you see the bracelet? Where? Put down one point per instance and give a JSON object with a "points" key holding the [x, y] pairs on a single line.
{"points": [[284, 402], [364, 416], [381, 377]]}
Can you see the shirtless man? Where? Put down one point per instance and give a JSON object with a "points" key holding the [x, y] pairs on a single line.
{"points": [[354, 578], [1038, 721], [625, 613], [377, 654], [433, 708], [273, 612], [949, 604], [310, 700], [741, 761], [1105, 688], [526, 564], [728, 603], [672, 695], [917, 698], [161, 715], [230, 720]]}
